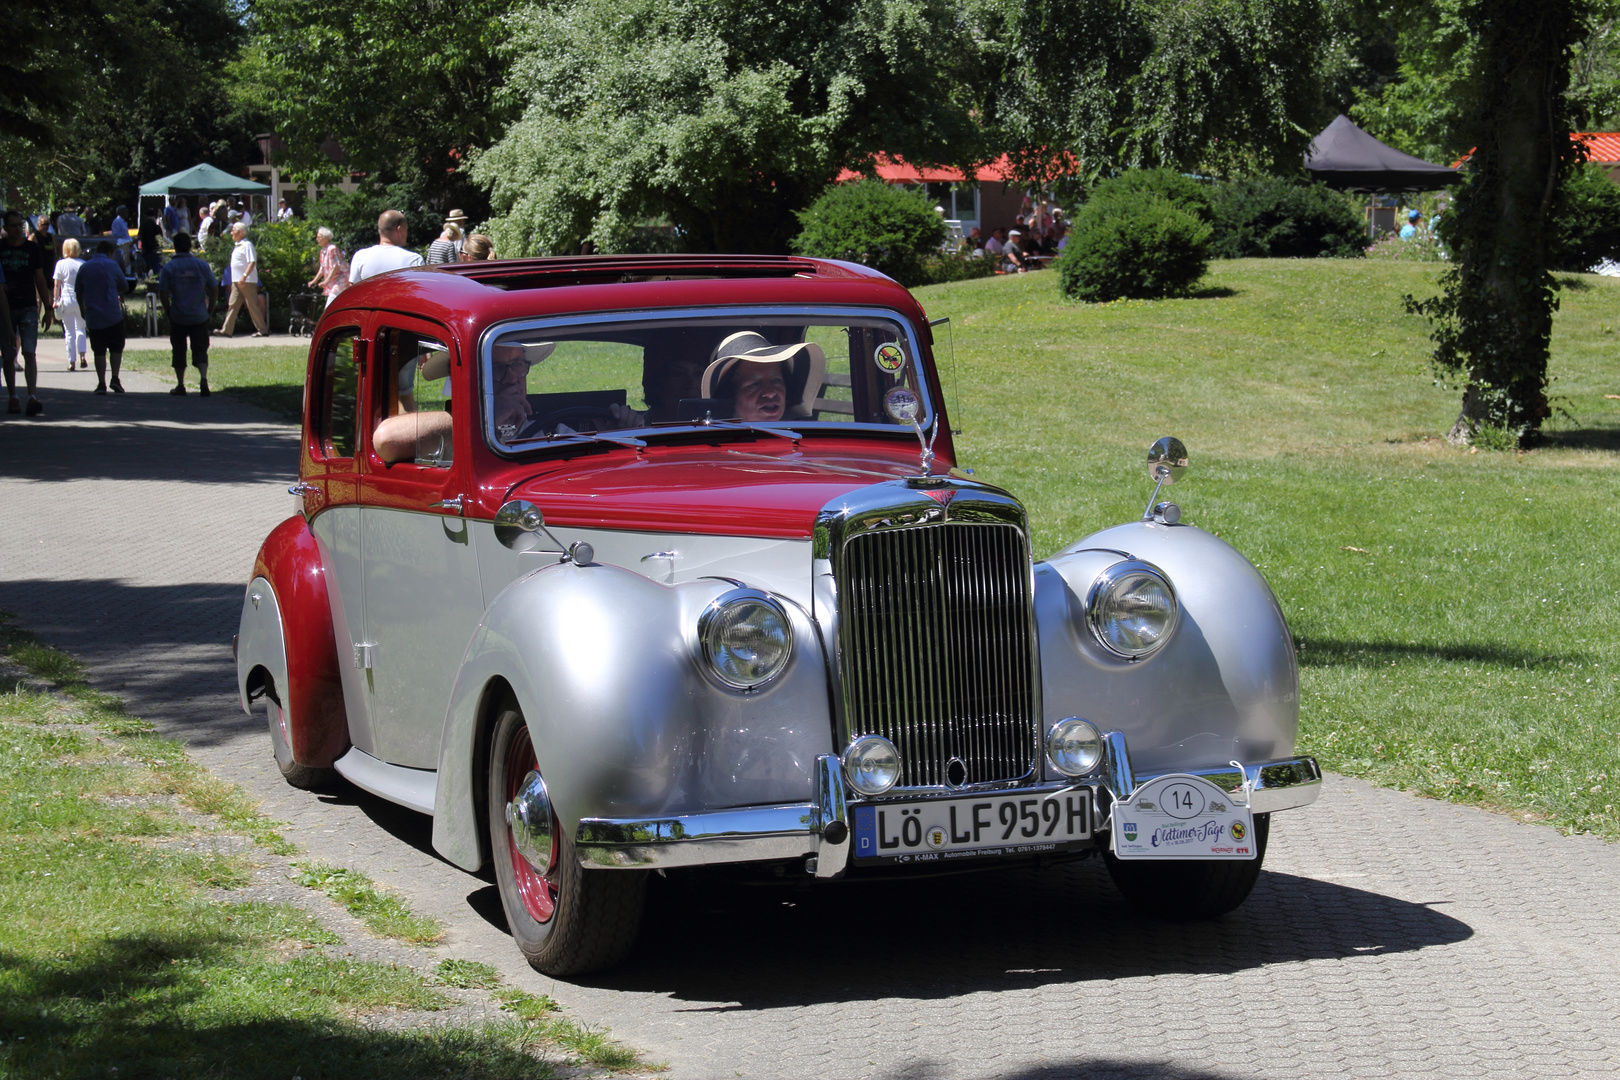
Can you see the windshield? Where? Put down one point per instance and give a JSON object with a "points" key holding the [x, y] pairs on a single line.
{"points": [[638, 376]]}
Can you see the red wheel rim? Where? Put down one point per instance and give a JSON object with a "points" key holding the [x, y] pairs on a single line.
{"points": [[537, 891]]}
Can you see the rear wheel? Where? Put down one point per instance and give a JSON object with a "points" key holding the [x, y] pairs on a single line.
{"points": [[1191, 889], [564, 918], [299, 776]]}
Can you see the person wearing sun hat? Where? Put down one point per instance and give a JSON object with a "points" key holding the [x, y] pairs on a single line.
{"points": [[765, 381]]}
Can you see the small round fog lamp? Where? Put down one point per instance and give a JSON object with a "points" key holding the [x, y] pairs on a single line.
{"points": [[871, 764], [1074, 746]]}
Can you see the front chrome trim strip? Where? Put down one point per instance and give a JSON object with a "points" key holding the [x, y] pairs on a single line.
{"points": [[800, 830], [749, 834], [1273, 785]]}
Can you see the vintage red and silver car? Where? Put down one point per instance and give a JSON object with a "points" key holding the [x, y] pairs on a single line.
{"points": [[618, 565]]}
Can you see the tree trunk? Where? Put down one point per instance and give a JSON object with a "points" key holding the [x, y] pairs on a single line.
{"points": [[1505, 294]]}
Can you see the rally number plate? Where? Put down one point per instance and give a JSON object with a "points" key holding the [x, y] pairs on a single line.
{"points": [[1182, 817], [937, 830]]}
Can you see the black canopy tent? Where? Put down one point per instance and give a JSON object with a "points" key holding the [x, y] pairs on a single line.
{"points": [[1346, 158]]}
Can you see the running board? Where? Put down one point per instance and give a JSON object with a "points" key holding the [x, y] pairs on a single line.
{"points": [[411, 788]]}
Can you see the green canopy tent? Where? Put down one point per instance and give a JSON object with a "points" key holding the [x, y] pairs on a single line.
{"points": [[202, 179]]}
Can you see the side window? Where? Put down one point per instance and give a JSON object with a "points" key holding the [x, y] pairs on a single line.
{"points": [[411, 415], [338, 413]]}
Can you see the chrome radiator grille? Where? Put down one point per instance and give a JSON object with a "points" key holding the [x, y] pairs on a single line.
{"points": [[934, 630]]}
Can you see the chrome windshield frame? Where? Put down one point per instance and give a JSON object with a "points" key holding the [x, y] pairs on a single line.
{"points": [[785, 427]]}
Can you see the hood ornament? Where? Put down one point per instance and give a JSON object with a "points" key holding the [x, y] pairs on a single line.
{"points": [[905, 407], [1166, 461]]}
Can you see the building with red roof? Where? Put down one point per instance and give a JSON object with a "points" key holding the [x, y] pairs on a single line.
{"points": [[992, 201]]}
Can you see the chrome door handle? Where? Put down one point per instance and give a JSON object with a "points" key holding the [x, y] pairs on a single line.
{"points": [[450, 504], [302, 488]]}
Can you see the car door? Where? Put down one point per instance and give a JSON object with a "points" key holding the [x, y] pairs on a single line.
{"points": [[330, 487], [422, 595]]}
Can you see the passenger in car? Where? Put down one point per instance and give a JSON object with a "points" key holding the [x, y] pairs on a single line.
{"points": [[766, 382], [411, 435]]}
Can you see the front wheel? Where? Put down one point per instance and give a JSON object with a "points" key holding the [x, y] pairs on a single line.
{"points": [[299, 776], [564, 918], [1192, 889]]}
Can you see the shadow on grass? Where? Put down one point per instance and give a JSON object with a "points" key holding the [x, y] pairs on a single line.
{"points": [[1573, 284], [1319, 652], [1582, 439], [735, 949], [1214, 292], [143, 1006], [287, 402]]}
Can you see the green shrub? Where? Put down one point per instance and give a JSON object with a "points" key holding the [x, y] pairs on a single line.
{"points": [[1270, 217], [1586, 222], [1132, 243], [286, 250], [1421, 248], [953, 266], [888, 228], [1193, 196]]}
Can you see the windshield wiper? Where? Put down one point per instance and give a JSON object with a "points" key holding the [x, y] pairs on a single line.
{"points": [[676, 426], [590, 436]]}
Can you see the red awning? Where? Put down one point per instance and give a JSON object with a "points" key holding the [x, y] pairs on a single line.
{"points": [[1601, 146], [895, 171]]}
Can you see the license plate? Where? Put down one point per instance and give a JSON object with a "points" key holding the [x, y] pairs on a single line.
{"points": [[936, 830], [1182, 817]]}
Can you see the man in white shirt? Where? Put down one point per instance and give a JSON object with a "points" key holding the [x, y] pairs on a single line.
{"points": [[389, 253], [283, 211], [244, 283]]}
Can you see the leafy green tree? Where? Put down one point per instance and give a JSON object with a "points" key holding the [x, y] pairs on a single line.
{"points": [[1273, 217], [888, 228], [106, 94], [1219, 87], [406, 90], [1493, 319], [1586, 221], [719, 117]]}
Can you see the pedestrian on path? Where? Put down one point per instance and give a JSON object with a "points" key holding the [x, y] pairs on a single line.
{"points": [[64, 281], [388, 253], [27, 291], [244, 284], [332, 275], [100, 286], [189, 293]]}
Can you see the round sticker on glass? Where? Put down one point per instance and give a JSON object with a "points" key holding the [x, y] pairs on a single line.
{"points": [[889, 357], [902, 405]]}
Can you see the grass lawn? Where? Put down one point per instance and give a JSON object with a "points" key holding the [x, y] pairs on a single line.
{"points": [[271, 377], [124, 954], [1457, 625]]}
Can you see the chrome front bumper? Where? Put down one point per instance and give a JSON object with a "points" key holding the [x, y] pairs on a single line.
{"points": [[819, 832]]}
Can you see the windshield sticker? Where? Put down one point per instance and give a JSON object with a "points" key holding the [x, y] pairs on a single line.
{"points": [[890, 358]]}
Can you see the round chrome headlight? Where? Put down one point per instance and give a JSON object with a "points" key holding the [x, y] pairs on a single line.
{"points": [[746, 639], [871, 764], [1132, 609], [1074, 745]]}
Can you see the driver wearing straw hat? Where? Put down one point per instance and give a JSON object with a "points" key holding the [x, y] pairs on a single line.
{"points": [[765, 382]]}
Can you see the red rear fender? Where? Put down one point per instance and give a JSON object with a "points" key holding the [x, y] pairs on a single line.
{"points": [[313, 697]]}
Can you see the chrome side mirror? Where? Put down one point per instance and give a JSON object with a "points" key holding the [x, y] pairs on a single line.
{"points": [[519, 525], [1166, 461]]}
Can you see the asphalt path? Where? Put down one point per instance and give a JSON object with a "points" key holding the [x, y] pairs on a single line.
{"points": [[1389, 936]]}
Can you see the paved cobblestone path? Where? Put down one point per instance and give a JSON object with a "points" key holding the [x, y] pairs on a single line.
{"points": [[1389, 936]]}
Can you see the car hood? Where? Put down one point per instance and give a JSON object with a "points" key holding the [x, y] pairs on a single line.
{"points": [[744, 491]]}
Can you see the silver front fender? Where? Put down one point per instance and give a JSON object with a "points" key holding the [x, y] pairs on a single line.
{"points": [[1224, 688], [626, 725]]}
